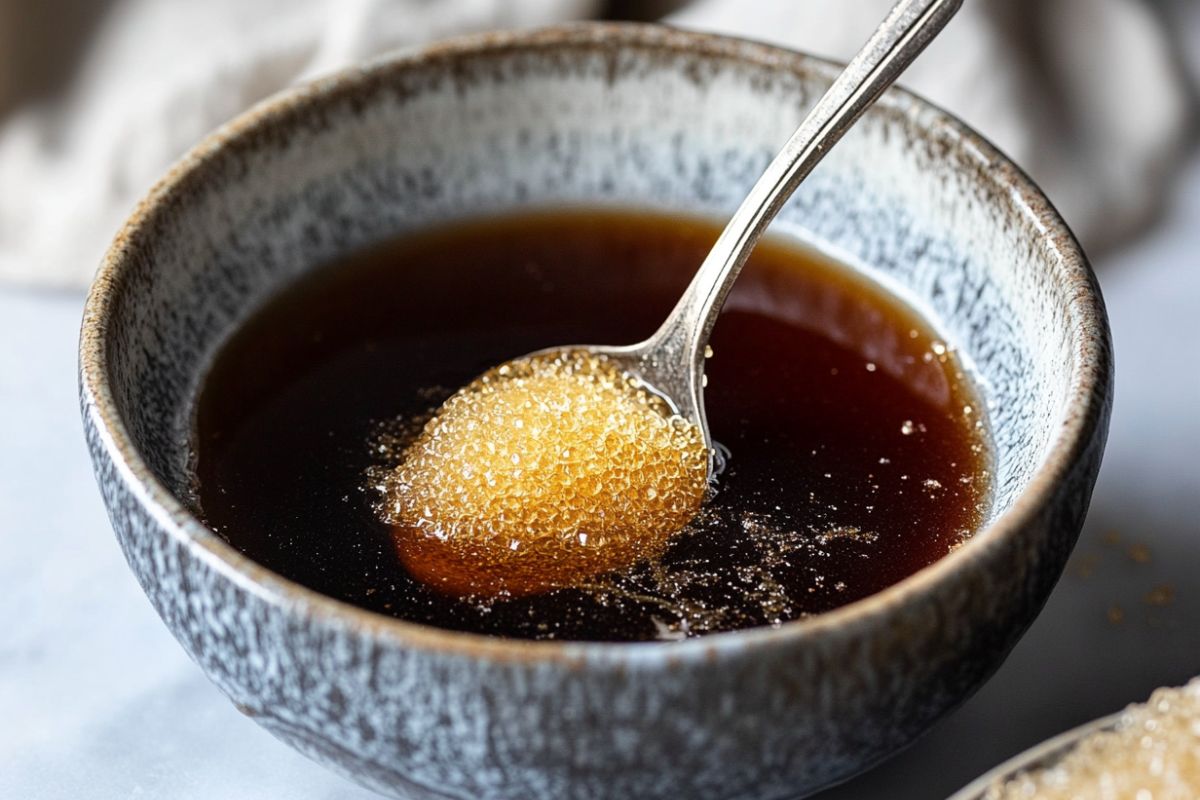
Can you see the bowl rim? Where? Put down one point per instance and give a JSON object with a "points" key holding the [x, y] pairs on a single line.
{"points": [[1085, 412]]}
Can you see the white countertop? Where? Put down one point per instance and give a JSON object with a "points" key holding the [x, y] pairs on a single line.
{"points": [[98, 700]]}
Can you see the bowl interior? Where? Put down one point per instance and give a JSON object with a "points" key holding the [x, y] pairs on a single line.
{"points": [[646, 118]]}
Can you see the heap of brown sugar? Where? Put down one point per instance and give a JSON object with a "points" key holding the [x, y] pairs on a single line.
{"points": [[1152, 752], [543, 473]]}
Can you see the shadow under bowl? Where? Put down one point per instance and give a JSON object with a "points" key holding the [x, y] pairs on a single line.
{"points": [[617, 115]]}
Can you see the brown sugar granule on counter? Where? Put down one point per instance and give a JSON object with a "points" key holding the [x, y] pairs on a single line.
{"points": [[1161, 595], [1139, 553], [1086, 565], [543, 473]]}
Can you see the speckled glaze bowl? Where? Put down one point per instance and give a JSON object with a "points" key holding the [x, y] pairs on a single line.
{"points": [[612, 115]]}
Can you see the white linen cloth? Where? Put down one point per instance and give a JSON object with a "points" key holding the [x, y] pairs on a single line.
{"points": [[153, 77], [1093, 98], [98, 97]]}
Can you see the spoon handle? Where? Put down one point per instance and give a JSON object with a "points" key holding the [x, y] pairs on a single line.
{"points": [[910, 26]]}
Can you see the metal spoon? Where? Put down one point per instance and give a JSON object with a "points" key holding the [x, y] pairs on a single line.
{"points": [[671, 361]]}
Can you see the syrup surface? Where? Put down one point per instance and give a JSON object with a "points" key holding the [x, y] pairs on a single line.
{"points": [[858, 448]]}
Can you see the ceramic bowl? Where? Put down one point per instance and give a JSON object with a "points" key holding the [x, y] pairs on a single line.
{"points": [[610, 115]]}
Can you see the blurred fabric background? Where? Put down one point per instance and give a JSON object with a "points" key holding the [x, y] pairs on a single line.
{"points": [[1096, 98]]}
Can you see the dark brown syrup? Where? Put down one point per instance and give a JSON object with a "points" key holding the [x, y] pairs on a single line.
{"points": [[857, 447]]}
